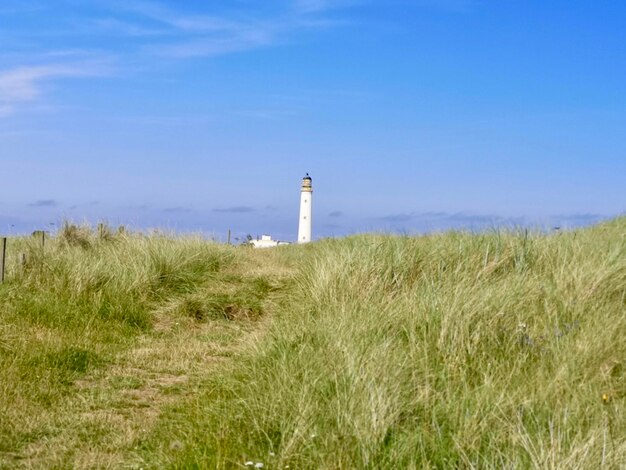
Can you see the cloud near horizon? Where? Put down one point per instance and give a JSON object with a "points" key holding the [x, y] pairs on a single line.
{"points": [[176, 210], [396, 217], [235, 210], [44, 203], [427, 221]]}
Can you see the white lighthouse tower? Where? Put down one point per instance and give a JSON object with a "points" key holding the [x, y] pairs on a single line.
{"points": [[306, 193]]}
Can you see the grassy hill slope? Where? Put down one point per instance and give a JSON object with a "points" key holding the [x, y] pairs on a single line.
{"points": [[446, 351]]}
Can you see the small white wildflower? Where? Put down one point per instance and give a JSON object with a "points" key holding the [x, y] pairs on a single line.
{"points": [[249, 463], [259, 465], [272, 454]]}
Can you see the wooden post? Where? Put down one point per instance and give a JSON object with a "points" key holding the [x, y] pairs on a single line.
{"points": [[3, 253], [41, 235], [100, 230], [228, 242], [23, 260]]}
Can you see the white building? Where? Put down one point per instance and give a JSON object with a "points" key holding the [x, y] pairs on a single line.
{"points": [[266, 242]]}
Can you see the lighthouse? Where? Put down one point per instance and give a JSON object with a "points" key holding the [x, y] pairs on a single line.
{"points": [[306, 193]]}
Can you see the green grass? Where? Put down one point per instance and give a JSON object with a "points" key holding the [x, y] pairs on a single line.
{"points": [[454, 350], [74, 318]]}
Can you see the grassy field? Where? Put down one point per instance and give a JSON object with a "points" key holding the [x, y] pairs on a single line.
{"points": [[455, 350]]}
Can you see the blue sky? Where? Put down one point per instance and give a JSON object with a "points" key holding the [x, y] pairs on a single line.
{"points": [[409, 115]]}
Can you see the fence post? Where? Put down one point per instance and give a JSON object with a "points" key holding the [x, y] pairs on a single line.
{"points": [[41, 235], [3, 253], [228, 242]]}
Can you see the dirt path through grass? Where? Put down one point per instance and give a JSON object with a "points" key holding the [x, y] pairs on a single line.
{"points": [[114, 407], [104, 415]]}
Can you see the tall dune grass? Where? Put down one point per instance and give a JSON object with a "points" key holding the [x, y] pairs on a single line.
{"points": [[457, 350], [447, 351]]}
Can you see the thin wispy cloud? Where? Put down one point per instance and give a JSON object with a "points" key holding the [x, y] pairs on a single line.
{"points": [[207, 47], [202, 35], [21, 85], [151, 29], [159, 13]]}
